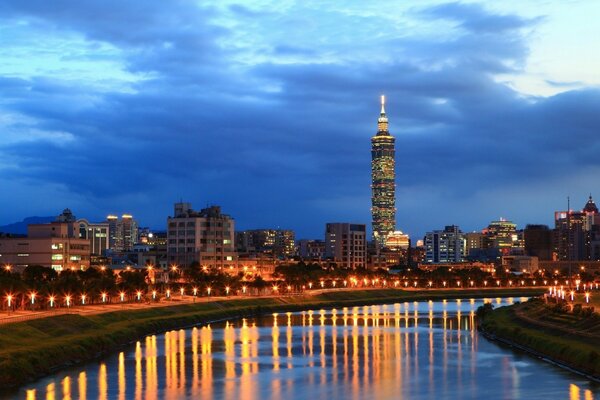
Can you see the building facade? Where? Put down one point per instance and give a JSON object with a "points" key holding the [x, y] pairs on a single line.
{"points": [[97, 233], [383, 180], [346, 244], [278, 242], [205, 236], [311, 249], [53, 245], [538, 241], [445, 246]]}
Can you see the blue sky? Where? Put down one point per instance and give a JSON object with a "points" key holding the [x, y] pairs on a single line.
{"points": [[267, 108]]}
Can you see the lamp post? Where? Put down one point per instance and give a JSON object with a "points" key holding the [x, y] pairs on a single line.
{"points": [[9, 299]]}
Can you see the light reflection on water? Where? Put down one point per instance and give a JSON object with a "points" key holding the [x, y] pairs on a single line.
{"points": [[416, 350]]}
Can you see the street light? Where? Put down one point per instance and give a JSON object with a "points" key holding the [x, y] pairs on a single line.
{"points": [[51, 301], [83, 299], [9, 299], [244, 289], [122, 294], [139, 295], [195, 291], [154, 295], [104, 297], [32, 295], [208, 290], [227, 290], [68, 300]]}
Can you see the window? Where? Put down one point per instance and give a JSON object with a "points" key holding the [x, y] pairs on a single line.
{"points": [[57, 256]]}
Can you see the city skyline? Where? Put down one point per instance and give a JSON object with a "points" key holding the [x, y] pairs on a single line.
{"points": [[226, 105]]}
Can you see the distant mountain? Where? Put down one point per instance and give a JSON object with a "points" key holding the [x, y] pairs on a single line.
{"points": [[20, 228]]}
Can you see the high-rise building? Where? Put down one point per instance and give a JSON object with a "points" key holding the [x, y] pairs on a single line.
{"points": [[123, 233], [445, 246], [574, 232], [501, 234], [346, 244], [383, 180], [205, 236]]}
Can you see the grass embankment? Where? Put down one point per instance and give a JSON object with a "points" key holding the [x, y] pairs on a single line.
{"points": [[35, 348], [562, 337]]}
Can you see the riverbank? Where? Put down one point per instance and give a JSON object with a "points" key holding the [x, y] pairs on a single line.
{"points": [[31, 349], [566, 339]]}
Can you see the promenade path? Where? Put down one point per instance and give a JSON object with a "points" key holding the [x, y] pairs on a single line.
{"points": [[90, 309]]}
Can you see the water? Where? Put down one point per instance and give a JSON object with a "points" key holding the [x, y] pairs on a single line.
{"points": [[415, 350]]}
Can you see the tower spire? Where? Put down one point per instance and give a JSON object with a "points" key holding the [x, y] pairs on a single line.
{"points": [[382, 104]]}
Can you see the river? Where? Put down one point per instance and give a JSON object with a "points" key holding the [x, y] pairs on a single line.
{"points": [[411, 350]]}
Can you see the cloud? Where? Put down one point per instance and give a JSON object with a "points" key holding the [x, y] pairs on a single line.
{"points": [[276, 128]]}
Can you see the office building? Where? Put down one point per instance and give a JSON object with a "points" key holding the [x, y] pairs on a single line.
{"points": [[444, 246], [346, 244]]}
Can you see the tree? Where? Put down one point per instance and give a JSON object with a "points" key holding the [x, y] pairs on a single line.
{"points": [[37, 275]]}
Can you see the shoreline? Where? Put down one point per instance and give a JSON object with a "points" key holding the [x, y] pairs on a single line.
{"points": [[48, 345], [548, 343], [540, 356]]}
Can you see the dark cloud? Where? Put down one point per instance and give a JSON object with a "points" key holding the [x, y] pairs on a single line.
{"points": [[474, 17], [287, 144]]}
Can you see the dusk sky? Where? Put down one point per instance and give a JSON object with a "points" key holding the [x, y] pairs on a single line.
{"points": [[266, 108]]}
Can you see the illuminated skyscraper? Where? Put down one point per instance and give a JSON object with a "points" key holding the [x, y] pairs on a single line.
{"points": [[383, 180]]}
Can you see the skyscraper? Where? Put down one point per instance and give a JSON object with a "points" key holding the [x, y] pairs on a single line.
{"points": [[383, 180]]}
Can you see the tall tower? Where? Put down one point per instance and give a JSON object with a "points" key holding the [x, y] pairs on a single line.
{"points": [[383, 180]]}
